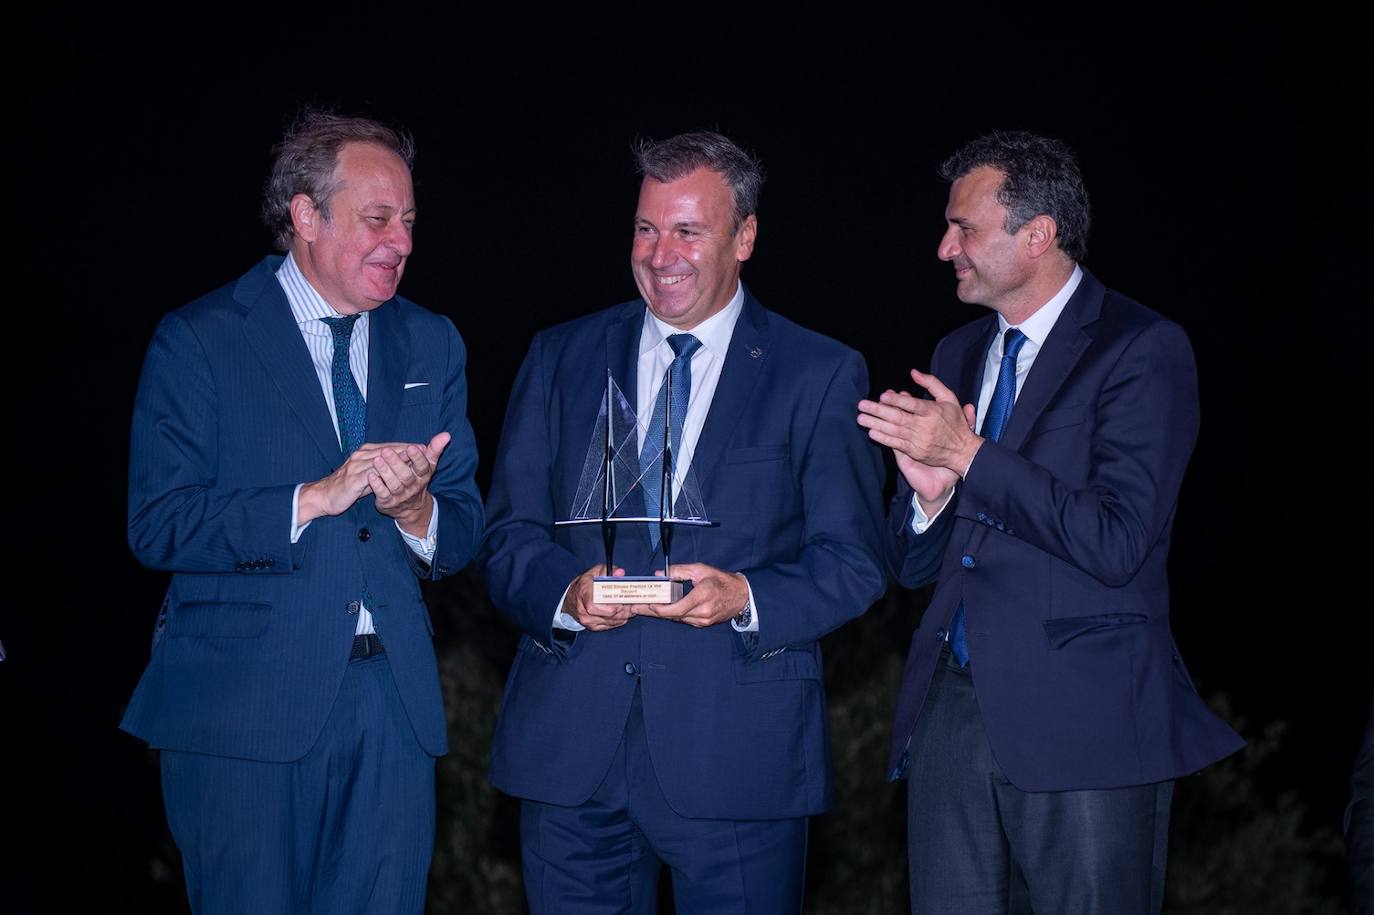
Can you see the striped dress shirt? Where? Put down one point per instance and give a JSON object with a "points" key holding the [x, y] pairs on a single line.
{"points": [[308, 307]]}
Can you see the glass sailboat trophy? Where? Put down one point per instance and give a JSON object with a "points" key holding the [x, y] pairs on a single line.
{"points": [[611, 491]]}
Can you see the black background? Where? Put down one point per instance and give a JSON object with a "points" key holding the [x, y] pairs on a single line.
{"points": [[1230, 192]]}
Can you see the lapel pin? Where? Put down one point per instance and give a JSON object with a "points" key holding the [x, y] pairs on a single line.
{"points": [[755, 352]]}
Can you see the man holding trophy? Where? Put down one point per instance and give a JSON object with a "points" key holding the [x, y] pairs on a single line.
{"points": [[699, 435]]}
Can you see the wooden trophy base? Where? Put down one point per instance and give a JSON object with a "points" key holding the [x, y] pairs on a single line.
{"points": [[636, 589]]}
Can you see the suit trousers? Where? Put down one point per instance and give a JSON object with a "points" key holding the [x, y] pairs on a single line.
{"points": [[977, 844], [347, 828], [605, 855]]}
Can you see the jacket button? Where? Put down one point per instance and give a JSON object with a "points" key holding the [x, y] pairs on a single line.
{"points": [[364, 535], [354, 606], [631, 669], [968, 561], [939, 635]]}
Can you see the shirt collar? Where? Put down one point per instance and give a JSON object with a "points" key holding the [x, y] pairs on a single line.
{"points": [[306, 304], [714, 333], [1038, 326]]}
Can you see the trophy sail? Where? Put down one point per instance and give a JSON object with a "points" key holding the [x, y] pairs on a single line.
{"points": [[610, 472]]}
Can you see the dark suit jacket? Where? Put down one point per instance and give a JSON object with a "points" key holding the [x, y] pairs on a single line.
{"points": [[256, 631], [1057, 546], [736, 726]]}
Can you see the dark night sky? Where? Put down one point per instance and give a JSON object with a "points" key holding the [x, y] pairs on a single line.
{"points": [[1221, 154]]}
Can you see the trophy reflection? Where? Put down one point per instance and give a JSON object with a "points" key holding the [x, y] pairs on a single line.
{"points": [[626, 482]]}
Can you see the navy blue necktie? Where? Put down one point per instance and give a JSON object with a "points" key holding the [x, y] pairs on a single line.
{"points": [[999, 411], [349, 406], [651, 458]]}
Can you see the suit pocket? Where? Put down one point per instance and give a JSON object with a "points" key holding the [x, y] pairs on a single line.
{"points": [[425, 393], [1064, 630], [756, 453], [221, 620], [1059, 419], [789, 664]]}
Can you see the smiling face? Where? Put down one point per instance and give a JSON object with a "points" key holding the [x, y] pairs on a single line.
{"points": [[355, 257], [992, 267], [687, 254]]}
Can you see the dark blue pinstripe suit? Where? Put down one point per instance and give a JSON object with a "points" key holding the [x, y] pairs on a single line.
{"points": [[254, 642]]}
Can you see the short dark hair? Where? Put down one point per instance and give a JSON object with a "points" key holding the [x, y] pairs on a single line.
{"points": [[305, 159], [1040, 176], [679, 156]]}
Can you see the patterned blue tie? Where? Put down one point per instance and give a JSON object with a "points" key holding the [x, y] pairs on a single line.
{"points": [[349, 405], [650, 458], [999, 411]]}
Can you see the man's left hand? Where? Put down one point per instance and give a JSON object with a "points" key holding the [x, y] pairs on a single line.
{"points": [[716, 596], [400, 480]]}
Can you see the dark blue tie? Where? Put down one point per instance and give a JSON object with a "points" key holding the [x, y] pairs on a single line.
{"points": [[999, 410], [651, 458], [349, 406]]}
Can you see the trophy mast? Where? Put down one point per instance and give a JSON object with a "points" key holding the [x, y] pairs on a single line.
{"points": [[665, 489], [607, 528]]}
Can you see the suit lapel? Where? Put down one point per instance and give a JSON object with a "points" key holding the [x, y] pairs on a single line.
{"points": [[1055, 361], [735, 391], [622, 358], [388, 355], [622, 350], [970, 381], [970, 385], [744, 362], [272, 332]]}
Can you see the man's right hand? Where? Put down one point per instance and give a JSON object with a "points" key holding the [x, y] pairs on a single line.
{"points": [[578, 603], [336, 493]]}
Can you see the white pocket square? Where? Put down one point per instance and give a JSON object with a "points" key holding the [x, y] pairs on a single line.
{"points": [[416, 384]]}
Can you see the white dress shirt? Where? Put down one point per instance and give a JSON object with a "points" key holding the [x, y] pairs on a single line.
{"points": [[1037, 329], [308, 307]]}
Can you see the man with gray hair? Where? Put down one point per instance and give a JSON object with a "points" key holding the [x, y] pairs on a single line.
{"points": [[691, 733], [300, 458]]}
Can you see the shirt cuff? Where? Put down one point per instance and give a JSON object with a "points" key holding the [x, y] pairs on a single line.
{"points": [[297, 529], [919, 522], [424, 548], [562, 620], [753, 616]]}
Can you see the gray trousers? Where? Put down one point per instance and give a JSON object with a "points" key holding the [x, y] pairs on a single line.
{"points": [[977, 844]]}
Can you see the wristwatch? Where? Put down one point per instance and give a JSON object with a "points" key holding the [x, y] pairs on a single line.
{"points": [[745, 616]]}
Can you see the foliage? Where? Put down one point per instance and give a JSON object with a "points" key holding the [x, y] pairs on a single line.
{"points": [[1237, 847], [1236, 850]]}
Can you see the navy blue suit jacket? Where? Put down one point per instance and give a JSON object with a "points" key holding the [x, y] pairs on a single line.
{"points": [[1056, 544], [255, 631], [736, 725]]}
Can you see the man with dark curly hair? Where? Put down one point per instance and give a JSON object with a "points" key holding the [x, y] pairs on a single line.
{"points": [[1044, 712]]}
